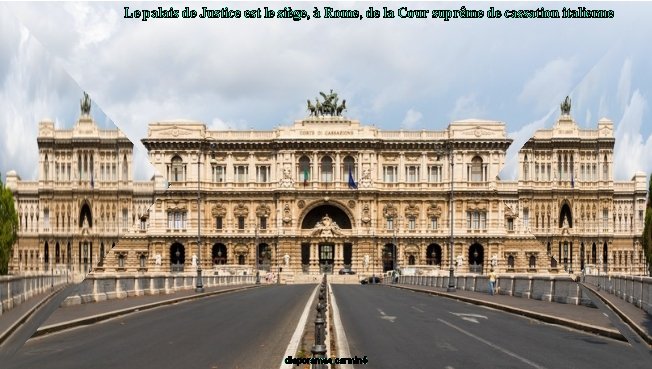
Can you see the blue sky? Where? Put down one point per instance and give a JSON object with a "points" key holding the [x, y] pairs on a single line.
{"points": [[257, 74]]}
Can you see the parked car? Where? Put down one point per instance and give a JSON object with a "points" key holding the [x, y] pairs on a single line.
{"points": [[347, 271], [370, 280]]}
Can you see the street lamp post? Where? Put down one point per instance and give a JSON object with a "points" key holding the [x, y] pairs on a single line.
{"points": [[200, 285], [257, 255], [451, 274]]}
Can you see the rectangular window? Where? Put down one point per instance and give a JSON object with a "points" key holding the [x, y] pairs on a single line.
{"points": [[241, 172], [125, 218], [219, 173], [468, 219], [483, 220], [605, 220], [390, 173], [263, 222], [476, 220], [412, 174], [176, 220], [548, 172], [143, 224], [46, 219], [390, 224], [218, 222], [433, 223], [640, 216], [434, 174], [262, 173], [510, 224], [241, 223], [412, 224], [526, 218]]}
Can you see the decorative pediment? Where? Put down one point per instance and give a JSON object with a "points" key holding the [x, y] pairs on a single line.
{"points": [[263, 156], [511, 209], [412, 249], [326, 228], [434, 211], [240, 156], [177, 206], [263, 210], [240, 249], [390, 157], [412, 211], [390, 211], [218, 211], [412, 158], [241, 210]]}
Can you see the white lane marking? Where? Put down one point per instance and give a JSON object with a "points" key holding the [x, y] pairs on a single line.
{"points": [[417, 309], [505, 351], [470, 317], [390, 318], [341, 343], [298, 332]]}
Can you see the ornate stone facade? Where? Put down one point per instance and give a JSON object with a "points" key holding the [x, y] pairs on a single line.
{"points": [[83, 202], [327, 193]]}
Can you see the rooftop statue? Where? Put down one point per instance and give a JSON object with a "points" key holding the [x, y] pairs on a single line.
{"points": [[328, 106], [85, 105], [566, 106]]}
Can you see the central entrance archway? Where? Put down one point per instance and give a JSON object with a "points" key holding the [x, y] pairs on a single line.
{"points": [[326, 257], [316, 215], [476, 258]]}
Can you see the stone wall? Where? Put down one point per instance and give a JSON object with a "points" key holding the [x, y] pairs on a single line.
{"points": [[16, 289], [107, 286], [633, 289], [558, 288]]}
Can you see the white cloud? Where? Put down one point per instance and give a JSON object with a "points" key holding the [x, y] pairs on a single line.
{"points": [[549, 84], [631, 152], [467, 107], [624, 84], [412, 118]]}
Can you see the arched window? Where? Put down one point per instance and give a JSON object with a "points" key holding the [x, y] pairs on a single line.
{"points": [[46, 168], [304, 169], [476, 169], [348, 167], [125, 168], [605, 169], [433, 254], [327, 169], [177, 173], [526, 169], [510, 262]]}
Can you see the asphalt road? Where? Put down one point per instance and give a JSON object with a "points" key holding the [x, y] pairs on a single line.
{"points": [[402, 329], [246, 329]]}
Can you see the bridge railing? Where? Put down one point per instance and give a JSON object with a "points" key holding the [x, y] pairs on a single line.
{"points": [[560, 288], [16, 289], [636, 290], [107, 286]]}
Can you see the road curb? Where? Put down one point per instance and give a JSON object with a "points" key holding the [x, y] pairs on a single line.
{"points": [[7, 333], [610, 333], [622, 316], [53, 328]]}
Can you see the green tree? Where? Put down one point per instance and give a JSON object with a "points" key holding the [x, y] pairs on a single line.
{"points": [[647, 231], [8, 226]]}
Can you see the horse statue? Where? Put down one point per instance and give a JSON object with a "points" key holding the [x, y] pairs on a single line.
{"points": [[341, 108], [312, 109]]}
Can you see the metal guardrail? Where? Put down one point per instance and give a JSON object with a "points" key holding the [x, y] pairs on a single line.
{"points": [[319, 349]]}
